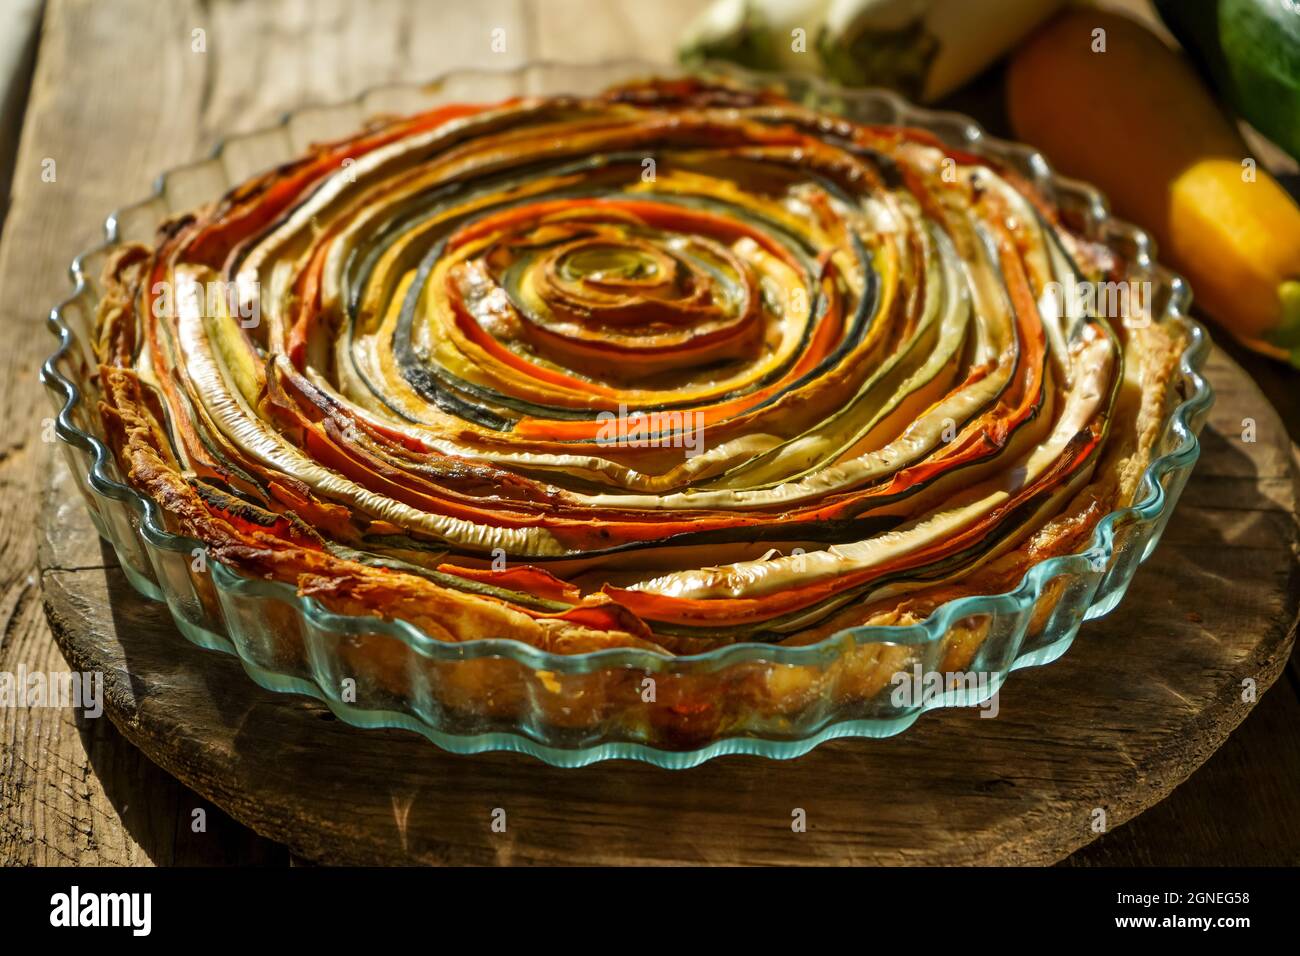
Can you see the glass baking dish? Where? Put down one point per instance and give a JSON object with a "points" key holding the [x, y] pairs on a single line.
{"points": [[570, 710]]}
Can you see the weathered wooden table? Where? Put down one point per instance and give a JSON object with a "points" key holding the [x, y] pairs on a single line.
{"points": [[124, 89]]}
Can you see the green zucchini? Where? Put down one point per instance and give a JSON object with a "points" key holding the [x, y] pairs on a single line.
{"points": [[1250, 50]]}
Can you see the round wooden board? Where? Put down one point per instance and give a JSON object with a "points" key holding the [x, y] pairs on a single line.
{"points": [[1145, 695]]}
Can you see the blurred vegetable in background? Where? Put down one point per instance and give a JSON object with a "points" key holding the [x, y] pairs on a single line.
{"points": [[923, 48], [755, 34], [1250, 49], [1135, 120]]}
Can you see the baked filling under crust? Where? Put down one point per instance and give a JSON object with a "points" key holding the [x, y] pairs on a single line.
{"points": [[673, 367]]}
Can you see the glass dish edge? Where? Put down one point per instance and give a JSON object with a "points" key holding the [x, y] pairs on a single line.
{"points": [[1157, 492]]}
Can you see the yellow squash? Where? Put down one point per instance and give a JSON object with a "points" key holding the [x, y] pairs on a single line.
{"points": [[1122, 110]]}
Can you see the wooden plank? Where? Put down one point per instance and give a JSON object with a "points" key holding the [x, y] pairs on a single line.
{"points": [[1238, 810], [19, 23]]}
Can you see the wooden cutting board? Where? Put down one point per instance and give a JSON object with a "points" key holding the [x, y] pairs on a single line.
{"points": [[1143, 697]]}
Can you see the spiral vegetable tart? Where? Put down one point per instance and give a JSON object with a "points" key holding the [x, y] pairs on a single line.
{"points": [[672, 367]]}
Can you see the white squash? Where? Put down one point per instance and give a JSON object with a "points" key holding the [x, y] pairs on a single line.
{"points": [[922, 48], [760, 34]]}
